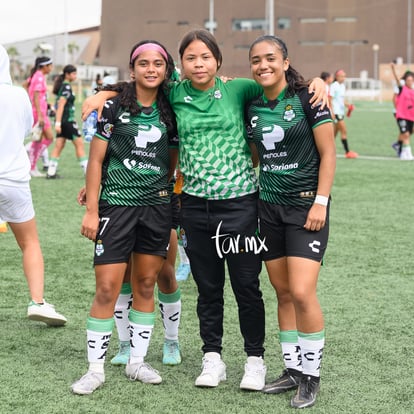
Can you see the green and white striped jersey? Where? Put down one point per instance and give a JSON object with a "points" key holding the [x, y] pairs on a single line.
{"points": [[136, 165], [289, 159], [214, 156]]}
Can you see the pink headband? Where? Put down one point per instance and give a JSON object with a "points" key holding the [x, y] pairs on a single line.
{"points": [[149, 46]]}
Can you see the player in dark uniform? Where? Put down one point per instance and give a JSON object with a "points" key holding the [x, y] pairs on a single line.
{"points": [[296, 148], [128, 211], [65, 125]]}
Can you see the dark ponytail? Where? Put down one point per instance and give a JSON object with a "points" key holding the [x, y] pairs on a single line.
{"points": [[39, 62], [59, 79]]}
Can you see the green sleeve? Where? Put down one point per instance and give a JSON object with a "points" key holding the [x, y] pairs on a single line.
{"points": [[247, 89]]}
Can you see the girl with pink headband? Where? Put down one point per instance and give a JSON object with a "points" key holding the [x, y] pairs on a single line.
{"points": [[37, 89], [128, 213], [149, 46]]}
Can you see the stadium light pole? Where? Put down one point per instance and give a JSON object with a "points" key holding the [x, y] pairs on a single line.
{"points": [[354, 43], [270, 14], [65, 35], [211, 17], [375, 49]]}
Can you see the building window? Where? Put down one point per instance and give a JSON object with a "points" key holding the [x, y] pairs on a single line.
{"points": [[345, 19], [312, 20], [210, 25], [283, 23], [247, 25], [312, 43]]}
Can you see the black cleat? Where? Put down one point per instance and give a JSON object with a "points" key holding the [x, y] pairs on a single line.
{"points": [[289, 380], [53, 177], [306, 393]]}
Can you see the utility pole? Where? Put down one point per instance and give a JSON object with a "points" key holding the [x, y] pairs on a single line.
{"points": [[270, 16], [211, 17]]}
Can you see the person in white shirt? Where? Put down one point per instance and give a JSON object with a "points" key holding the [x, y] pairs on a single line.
{"points": [[16, 206], [338, 106]]}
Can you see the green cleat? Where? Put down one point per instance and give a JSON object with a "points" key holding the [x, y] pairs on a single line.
{"points": [[171, 352], [121, 358]]}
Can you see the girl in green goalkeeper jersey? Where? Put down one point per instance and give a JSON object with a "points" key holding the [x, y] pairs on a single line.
{"points": [[219, 202], [128, 210], [297, 157]]}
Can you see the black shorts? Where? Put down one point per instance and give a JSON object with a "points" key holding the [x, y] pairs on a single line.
{"points": [[123, 230], [175, 210], [70, 130], [282, 228], [405, 125], [339, 118]]}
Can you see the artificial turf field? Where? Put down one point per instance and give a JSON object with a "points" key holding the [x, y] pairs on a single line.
{"points": [[365, 288]]}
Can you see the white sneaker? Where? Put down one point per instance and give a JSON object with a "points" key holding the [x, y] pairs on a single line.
{"points": [[142, 372], [254, 374], [36, 173], [88, 383], [45, 312], [213, 370], [406, 154]]}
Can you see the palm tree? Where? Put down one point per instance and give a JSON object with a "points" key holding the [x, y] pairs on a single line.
{"points": [[72, 49], [42, 48], [15, 65]]}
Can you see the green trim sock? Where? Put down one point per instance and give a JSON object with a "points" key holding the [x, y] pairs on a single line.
{"points": [[98, 334], [122, 307], [311, 348], [290, 349], [141, 325], [170, 308]]}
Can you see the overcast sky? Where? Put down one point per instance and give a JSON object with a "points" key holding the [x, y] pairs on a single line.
{"points": [[28, 19]]}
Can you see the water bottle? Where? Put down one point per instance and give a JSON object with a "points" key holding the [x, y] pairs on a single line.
{"points": [[89, 126]]}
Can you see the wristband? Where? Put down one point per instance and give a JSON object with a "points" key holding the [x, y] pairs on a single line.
{"points": [[57, 124], [322, 200]]}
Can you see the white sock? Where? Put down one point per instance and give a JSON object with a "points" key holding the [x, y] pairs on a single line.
{"points": [[53, 164], [290, 349], [84, 164], [122, 307], [45, 157], [311, 347], [98, 335], [141, 325], [170, 308]]}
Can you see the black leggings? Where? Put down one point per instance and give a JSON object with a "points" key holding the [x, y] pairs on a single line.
{"points": [[215, 232]]}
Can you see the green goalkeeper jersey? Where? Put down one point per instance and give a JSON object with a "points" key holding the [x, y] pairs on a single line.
{"points": [[215, 157]]}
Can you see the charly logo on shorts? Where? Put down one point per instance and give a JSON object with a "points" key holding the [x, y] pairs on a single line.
{"points": [[315, 246], [99, 249]]}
